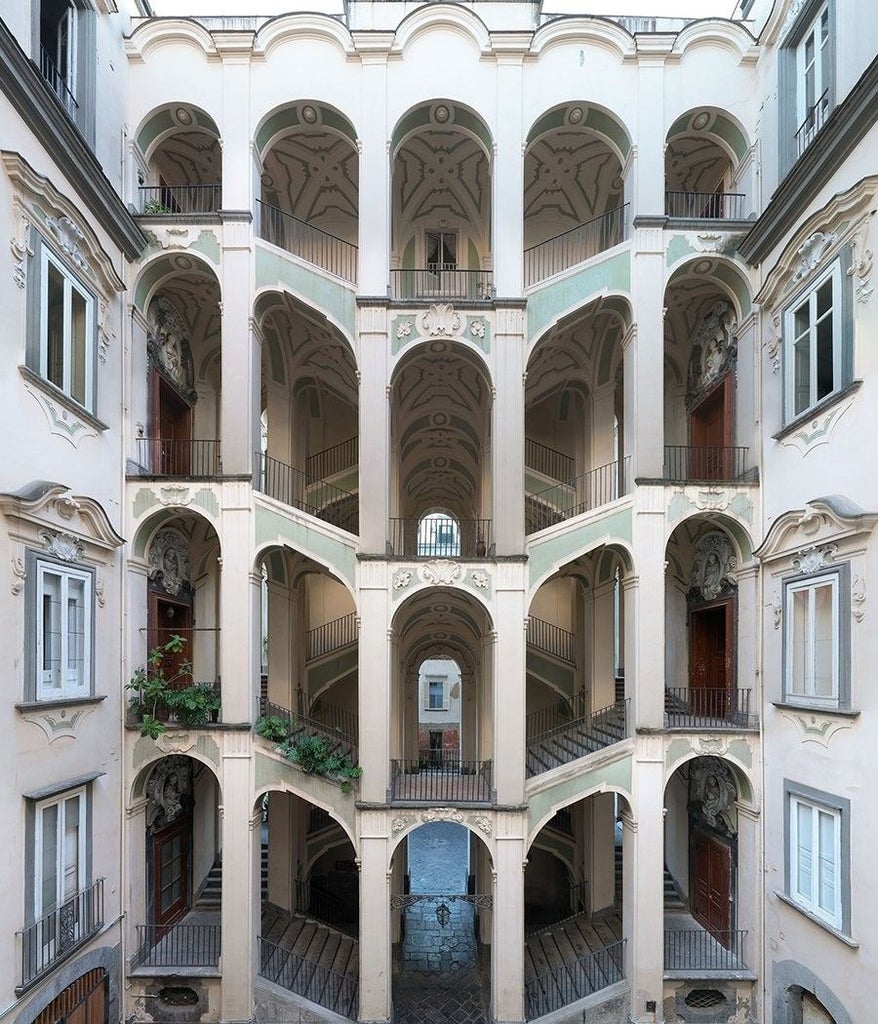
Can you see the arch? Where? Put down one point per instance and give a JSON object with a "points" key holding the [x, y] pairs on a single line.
{"points": [[307, 25], [302, 303], [732, 36], [154, 521], [602, 32], [792, 978], [138, 786], [739, 770], [273, 546], [169, 119], [621, 547], [458, 19], [153, 33], [719, 125], [301, 114], [283, 786], [442, 114], [727, 273], [421, 346], [603, 787], [418, 587], [164, 266], [412, 826], [592, 117], [618, 303], [731, 526]]}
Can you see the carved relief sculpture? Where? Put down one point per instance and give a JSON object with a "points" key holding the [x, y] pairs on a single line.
{"points": [[714, 351], [168, 344], [713, 568], [712, 794], [170, 568], [169, 791]]}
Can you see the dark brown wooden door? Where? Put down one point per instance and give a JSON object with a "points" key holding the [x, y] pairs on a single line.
{"points": [[82, 1002], [169, 618], [171, 430], [171, 853], [710, 660], [712, 886], [710, 435]]}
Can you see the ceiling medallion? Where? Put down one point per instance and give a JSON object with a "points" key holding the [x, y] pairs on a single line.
{"points": [[576, 115], [701, 121], [183, 115], [309, 115], [703, 267], [441, 114]]}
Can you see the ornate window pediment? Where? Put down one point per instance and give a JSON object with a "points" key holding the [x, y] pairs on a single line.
{"points": [[805, 534]]}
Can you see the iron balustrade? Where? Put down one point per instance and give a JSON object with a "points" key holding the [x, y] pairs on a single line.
{"points": [[598, 487], [814, 121], [332, 636], [562, 712], [179, 200], [554, 255], [338, 738], [58, 83], [708, 708], [551, 639], [577, 905], [577, 979], [319, 819], [445, 778], [705, 462], [179, 458], [548, 461], [56, 934], [562, 821], [442, 281], [695, 949], [440, 537], [333, 460], [178, 945], [705, 205], [337, 992], [578, 737], [314, 245], [326, 908], [316, 497]]}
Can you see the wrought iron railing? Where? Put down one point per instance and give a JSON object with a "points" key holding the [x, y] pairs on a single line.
{"points": [[58, 83], [598, 487], [342, 740], [57, 933], [551, 639], [709, 707], [310, 243], [705, 462], [177, 200], [335, 459], [447, 779], [548, 461], [316, 497], [546, 719], [575, 905], [814, 121], [567, 741], [575, 245], [700, 950], [178, 945], [179, 458], [332, 636], [577, 979], [324, 907], [705, 205], [442, 281], [337, 992], [440, 537]]}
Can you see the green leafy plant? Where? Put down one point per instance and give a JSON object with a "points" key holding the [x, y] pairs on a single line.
{"points": [[154, 691], [273, 728], [155, 206], [313, 754]]}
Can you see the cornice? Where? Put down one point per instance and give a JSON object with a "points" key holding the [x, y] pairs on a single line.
{"points": [[45, 117], [845, 127]]}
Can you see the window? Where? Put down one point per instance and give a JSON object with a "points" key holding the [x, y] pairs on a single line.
{"points": [[63, 628], [441, 250], [59, 853], [812, 79], [66, 349], [818, 854], [817, 639], [436, 694], [67, 35]]}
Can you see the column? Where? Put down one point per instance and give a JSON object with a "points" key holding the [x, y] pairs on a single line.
{"points": [[239, 599], [603, 685], [281, 843], [235, 51], [747, 643], [374, 684], [601, 852], [647, 632], [375, 171], [507, 952], [240, 402], [750, 873], [509, 698], [375, 931], [507, 179], [374, 429], [508, 431], [602, 425]]}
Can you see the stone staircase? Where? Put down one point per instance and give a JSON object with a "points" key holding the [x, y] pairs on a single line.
{"points": [[575, 739], [674, 900], [209, 895]]}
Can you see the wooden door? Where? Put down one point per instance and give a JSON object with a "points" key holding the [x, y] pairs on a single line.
{"points": [[171, 430], [712, 886], [710, 435], [171, 855], [711, 677], [82, 1002], [168, 618]]}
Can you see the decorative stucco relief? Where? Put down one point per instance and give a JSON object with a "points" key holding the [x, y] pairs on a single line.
{"points": [[861, 260], [811, 252], [21, 249], [62, 422], [858, 598], [440, 572], [819, 430], [62, 545], [19, 575], [443, 814], [817, 728], [170, 567], [713, 567], [710, 499], [60, 722], [813, 558]]}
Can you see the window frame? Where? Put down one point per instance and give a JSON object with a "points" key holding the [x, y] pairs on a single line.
{"points": [[838, 576], [441, 706], [59, 800], [838, 808]]}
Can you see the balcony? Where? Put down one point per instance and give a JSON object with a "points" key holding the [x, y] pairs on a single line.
{"points": [[598, 487], [299, 490], [436, 536], [442, 281], [704, 205], [58, 83], [814, 121], [178, 200], [708, 708], [57, 934], [172, 458], [312, 244], [689, 948], [441, 778], [707, 463], [189, 947], [575, 245]]}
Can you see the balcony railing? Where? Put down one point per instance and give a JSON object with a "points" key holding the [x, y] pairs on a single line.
{"points": [[332, 636], [310, 243], [180, 945], [598, 487], [564, 741], [337, 992], [551, 639], [708, 708], [705, 462], [177, 458], [58, 83], [325, 907], [339, 730], [567, 982], [442, 281], [551, 915], [814, 120], [575, 245], [316, 497], [548, 461], [698, 950], [58, 933], [705, 205], [177, 200], [336, 459], [440, 537], [445, 779]]}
